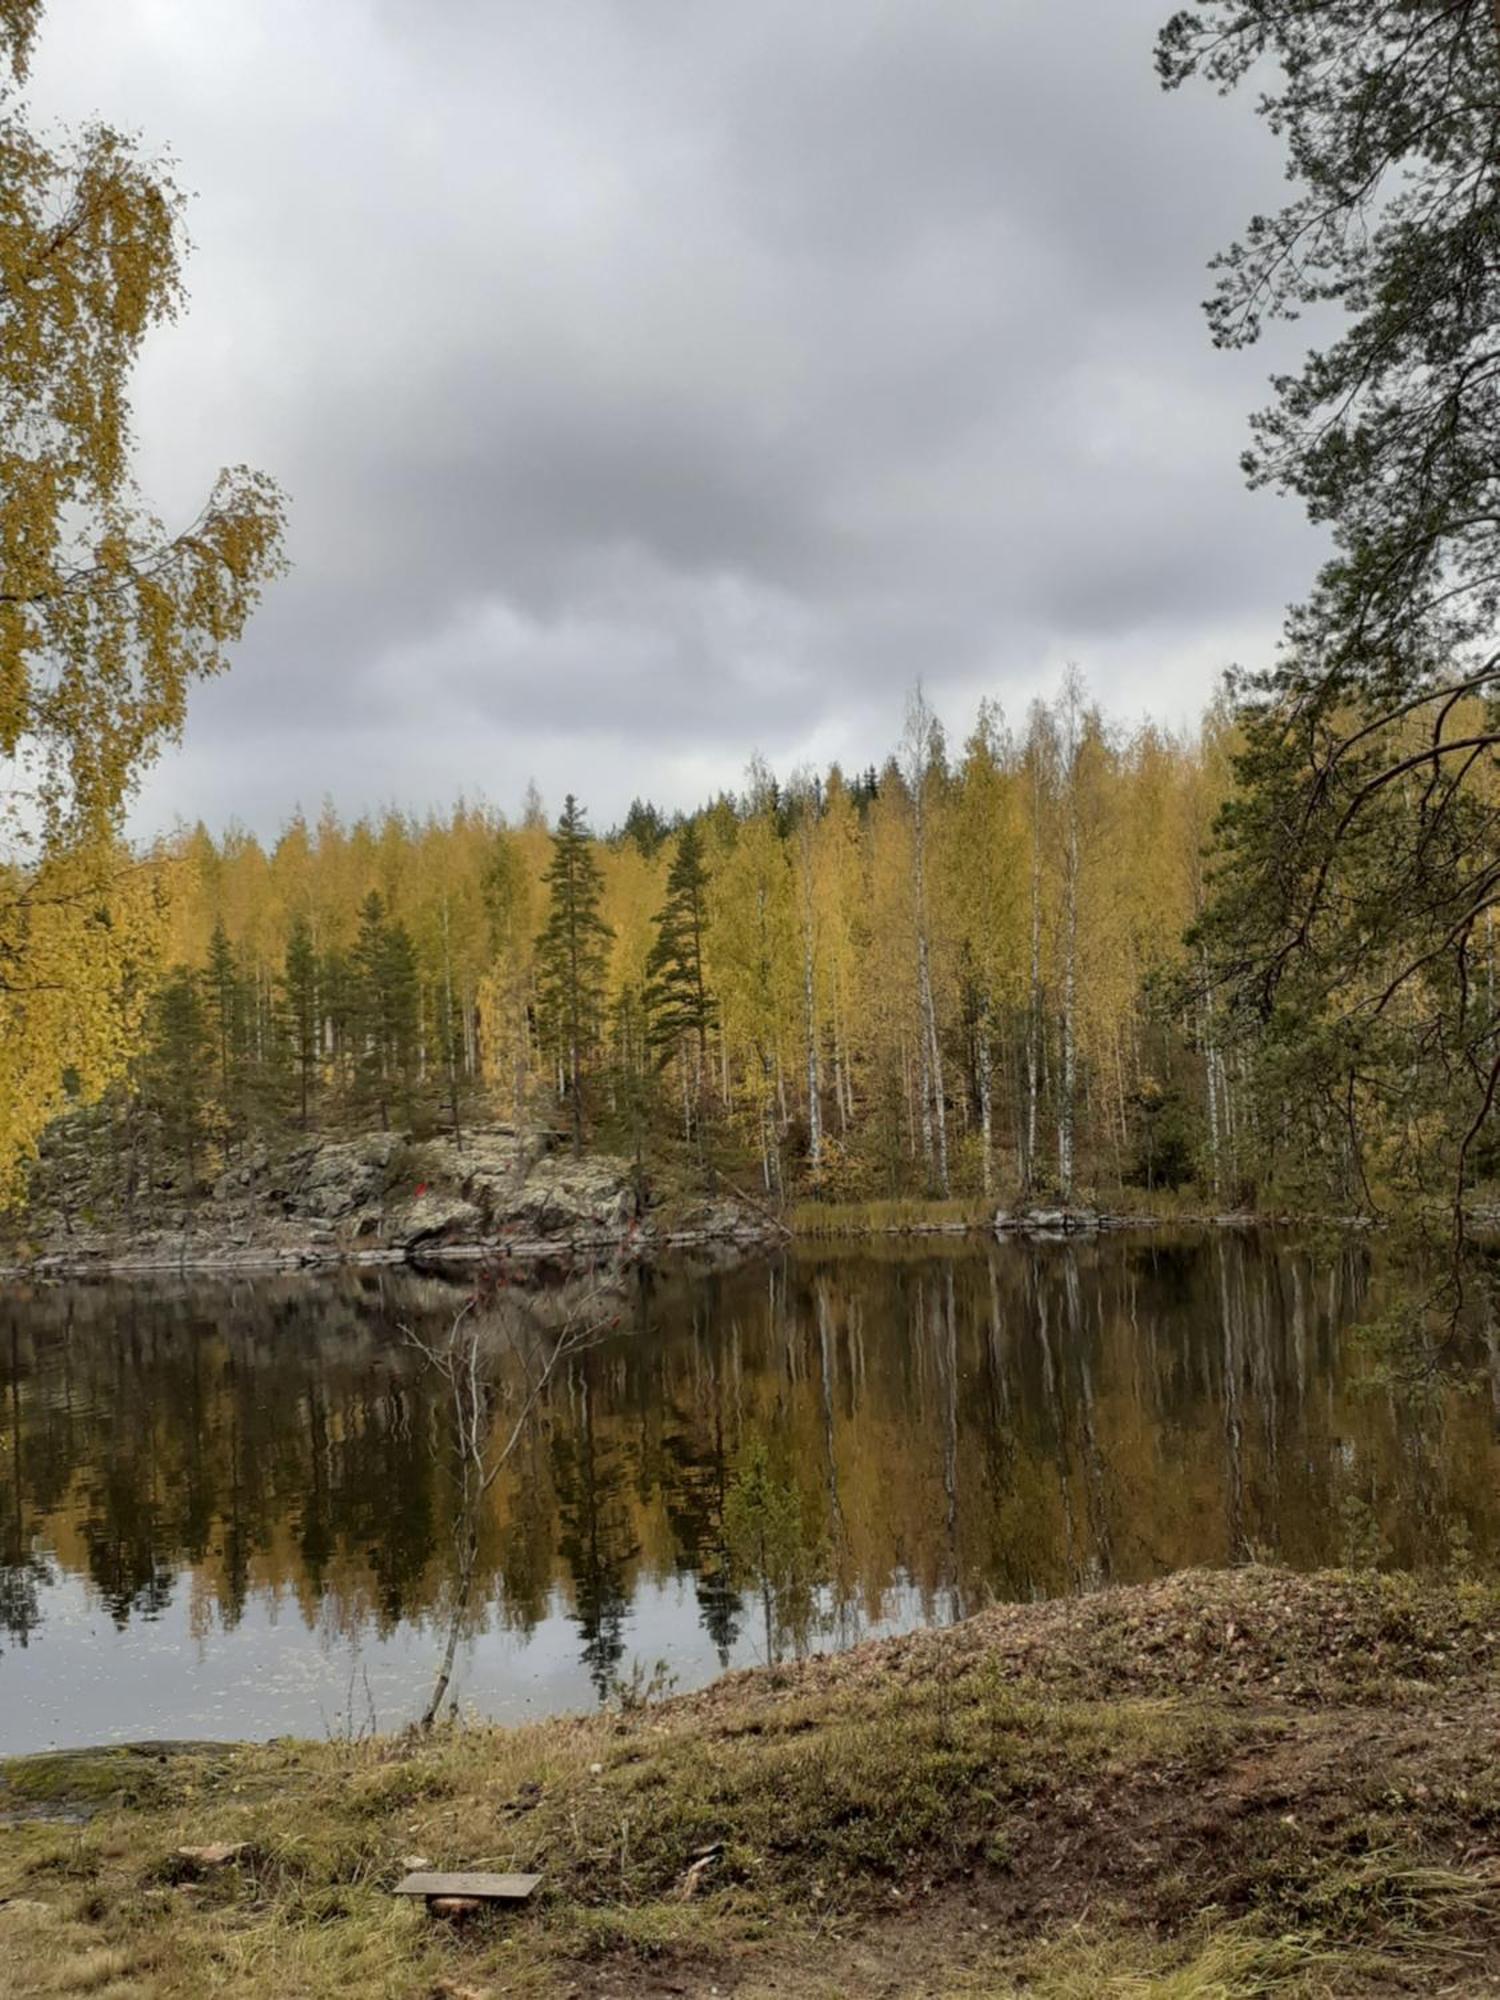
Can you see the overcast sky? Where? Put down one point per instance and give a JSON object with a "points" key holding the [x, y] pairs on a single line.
{"points": [[654, 383]]}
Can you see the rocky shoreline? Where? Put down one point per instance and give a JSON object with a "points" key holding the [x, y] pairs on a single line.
{"points": [[390, 1198], [377, 1198]]}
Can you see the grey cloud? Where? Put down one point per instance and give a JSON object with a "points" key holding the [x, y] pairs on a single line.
{"points": [[653, 384]]}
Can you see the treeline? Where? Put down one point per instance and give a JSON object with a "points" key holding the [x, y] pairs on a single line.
{"points": [[961, 973]]}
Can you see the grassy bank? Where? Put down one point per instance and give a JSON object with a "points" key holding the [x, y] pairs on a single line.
{"points": [[913, 1215], [1216, 1786], [922, 1215]]}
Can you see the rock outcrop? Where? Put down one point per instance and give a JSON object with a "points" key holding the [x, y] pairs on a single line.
{"points": [[375, 1196]]}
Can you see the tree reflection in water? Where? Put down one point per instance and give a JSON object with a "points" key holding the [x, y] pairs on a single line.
{"points": [[951, 1425]]}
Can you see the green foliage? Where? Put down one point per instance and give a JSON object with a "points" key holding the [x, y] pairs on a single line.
{"points": [[1163, 1142], [225, 1013], [176, 1070], [571, 957], [1350, 928], [1391, 431], [298, 987], [646, 826], [384, 1013], [678, 1003]]}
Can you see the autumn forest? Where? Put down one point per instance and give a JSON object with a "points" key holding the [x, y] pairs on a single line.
{"points": [[960, 974]]}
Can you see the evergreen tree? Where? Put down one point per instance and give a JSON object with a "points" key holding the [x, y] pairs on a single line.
{"points": [[1351, 921], [224, 1009], [677, 998], [645, 825], [178, 1062], [338, 1012], [386, 1010], [299, 1003], [571, 954]]}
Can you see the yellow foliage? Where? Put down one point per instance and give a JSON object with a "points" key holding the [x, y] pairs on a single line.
{"points": [[105, 619]]}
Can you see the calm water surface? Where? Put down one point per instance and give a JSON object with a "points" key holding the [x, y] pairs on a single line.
{"points": [[226, 1509]]}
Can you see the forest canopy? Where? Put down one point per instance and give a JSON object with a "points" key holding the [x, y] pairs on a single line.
{"points": [[961, 973]]}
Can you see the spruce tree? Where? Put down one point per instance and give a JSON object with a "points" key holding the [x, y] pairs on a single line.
{"points": [[225, 1009], [571, 955], [337, 1006], [299, 1002], [386, 1010], [177, 1065], [678, 1003]]}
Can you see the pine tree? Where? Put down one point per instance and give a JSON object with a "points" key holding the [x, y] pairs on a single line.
{"points": [[105, 623], [571, 954]]}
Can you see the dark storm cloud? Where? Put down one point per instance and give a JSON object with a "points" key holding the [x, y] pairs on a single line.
{"points": [[654, 383]]}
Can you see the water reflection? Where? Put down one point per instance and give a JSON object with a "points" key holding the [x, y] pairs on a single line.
{"points": [[235, 1481]]}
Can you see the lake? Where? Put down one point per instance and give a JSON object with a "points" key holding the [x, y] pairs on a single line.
{"points": [[227, 1508]]}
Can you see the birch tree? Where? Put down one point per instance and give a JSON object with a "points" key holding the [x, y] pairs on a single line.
{"points": [[107, 618]]}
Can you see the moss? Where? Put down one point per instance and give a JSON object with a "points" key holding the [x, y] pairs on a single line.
{"points": [[83, 1779]]}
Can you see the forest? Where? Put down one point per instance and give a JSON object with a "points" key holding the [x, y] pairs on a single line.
{"points": [[959, 974], [979, 970]]}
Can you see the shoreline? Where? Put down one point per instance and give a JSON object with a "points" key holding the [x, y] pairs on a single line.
{"points": [[1223, 1780], [310, 1258], [639, 1246], [383, 1198]]}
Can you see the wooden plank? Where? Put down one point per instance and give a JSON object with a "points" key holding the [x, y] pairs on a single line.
{"points": [[483, 1888]]}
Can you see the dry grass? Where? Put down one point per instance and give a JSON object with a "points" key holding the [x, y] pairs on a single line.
{"points": [[910, 1215], [1068, 1801]]}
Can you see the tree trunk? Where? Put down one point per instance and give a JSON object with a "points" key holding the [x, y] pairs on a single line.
{"points": [[1066, 1107], [1211, 1073], [814, 1109], [985, 1072], [1034, 1017]]}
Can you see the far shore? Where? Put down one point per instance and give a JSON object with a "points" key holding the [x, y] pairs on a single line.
{"points": [[747, 1234]]}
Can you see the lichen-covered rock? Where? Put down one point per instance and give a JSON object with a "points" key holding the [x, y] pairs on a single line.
{"points": [[564, 1197], [376, 1196], [1047, 1222], [487, 1166], [434, 1216], [342, 1175], [718, 1219]]}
